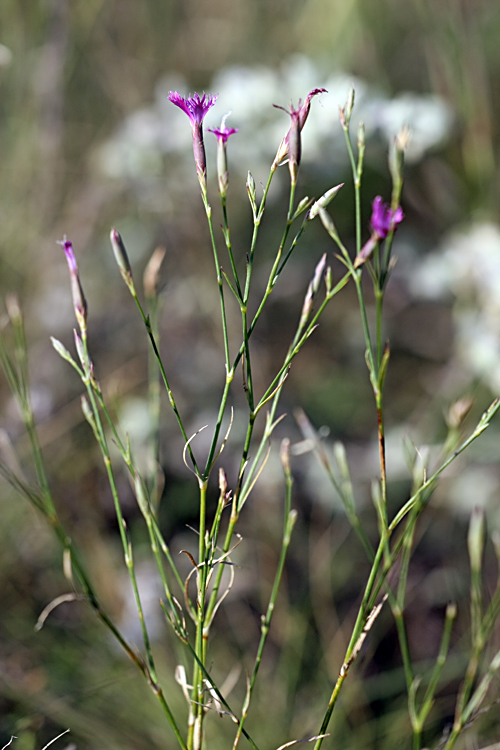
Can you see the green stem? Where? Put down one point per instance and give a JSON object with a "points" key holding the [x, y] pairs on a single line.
{"points": [[208, 211], [200, 643], [290, 518], [127, 549], [227, 237], [154, 404], [244, 349], [170, 395]]}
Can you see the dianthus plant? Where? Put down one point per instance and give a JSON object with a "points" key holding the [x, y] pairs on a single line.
{"points": [[192, 615]]}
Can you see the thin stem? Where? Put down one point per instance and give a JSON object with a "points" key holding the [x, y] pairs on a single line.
{"points": [[154, 404], [356, 169], [170, 395], [290, 517], [208, 211], [200, 644], [244, 349], [127, 548], [227, 238]]}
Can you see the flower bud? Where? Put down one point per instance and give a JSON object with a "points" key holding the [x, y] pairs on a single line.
{"points": [[361, 138], [61, 350], [294, 145], [323, 201], [251, 192], [152, 272], [312, 291], [122, 260], [79, 301], [475, 539], [302, 114], [222, 135]]}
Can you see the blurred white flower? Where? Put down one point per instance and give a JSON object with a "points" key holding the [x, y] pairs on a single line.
{"points": [[5, 56], [137, 148], [429, 118], [467, 266]]}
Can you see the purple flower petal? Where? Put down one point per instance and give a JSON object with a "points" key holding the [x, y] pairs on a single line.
{"points": [[299, 117], [383, 218], [195, 106], [222, 133]]}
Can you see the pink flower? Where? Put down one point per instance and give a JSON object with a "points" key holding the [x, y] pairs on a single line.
{"points": [[222, 133], [196, 108], [299, 117], [384, 219]]}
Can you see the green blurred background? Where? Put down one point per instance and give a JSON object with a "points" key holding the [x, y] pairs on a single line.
{"points": [[88, 141]]}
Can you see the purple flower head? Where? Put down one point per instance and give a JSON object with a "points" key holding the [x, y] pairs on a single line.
{"points": [[196, 108], [304, 109], [299, 117], [222, 133], [384, 219]]}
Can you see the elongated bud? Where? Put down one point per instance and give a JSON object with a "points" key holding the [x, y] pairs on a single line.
{"points": [[222, 170], [79, 301], [304, 204], [312, 291], [122, 260], [89, 415], [396, 161], [152, 272], [222, 134], [361, 136], [328, 223], [458, 411], [345, 112], [62, 351], [366, 251], [475, 539], [80, 349], [451, 611], [318, 274], [307, 306], [328, 280], [323, 201], [294, 145], [222, 482], [302, 114], [142, 500], [13, 307], [285, 456], [251, 192]]}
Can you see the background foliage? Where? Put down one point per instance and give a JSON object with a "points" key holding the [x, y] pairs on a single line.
{"points": [[85, 144]]}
